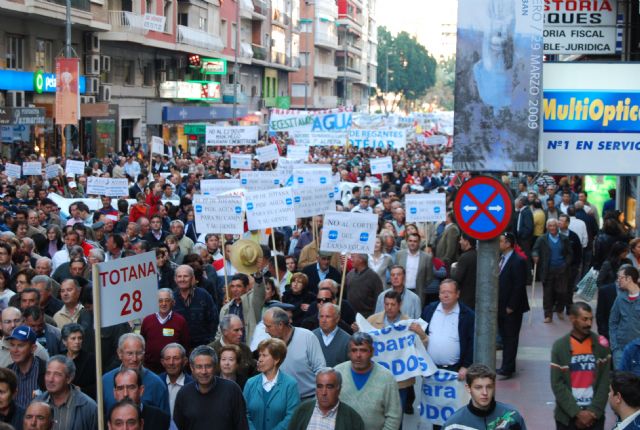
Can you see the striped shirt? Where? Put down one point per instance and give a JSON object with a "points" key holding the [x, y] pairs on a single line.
{"points": [[320, 421], [28, 386]]}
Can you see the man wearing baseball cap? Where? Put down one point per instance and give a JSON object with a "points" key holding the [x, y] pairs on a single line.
{"points": [[28, 368]]}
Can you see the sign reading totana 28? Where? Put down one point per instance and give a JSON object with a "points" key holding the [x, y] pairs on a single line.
{"points": [[579, 26]]}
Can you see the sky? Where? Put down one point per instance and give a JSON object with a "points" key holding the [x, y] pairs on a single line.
{"points": [[422, 18]]}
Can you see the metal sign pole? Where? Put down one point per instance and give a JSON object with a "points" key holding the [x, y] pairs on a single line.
{"points": [[484, 348]]}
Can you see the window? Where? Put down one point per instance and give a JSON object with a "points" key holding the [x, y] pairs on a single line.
{"points": [[234, 36], [15, 52], [202, 23], [303, 59], [225, 36], [44, 55], [150, 7], [147, 75], [168, 14], [297, 90], [130, 72]]}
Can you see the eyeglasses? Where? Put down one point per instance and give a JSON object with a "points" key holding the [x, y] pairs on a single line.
{"points": [[324, 300]]}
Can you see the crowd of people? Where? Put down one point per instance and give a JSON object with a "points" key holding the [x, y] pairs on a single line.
{"points": [[257, 332]]}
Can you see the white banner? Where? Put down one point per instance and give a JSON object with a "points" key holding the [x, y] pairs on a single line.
{"points": [[241, 161], [319, 138], [316, 200], [270, 208], [218, 214], [391, 139], [118, 187], [52, 170], [312, 175], [32, 168], [399, 349], [231, 135], [13, 170], [74, 167], [285, 167], [381, 165], [111, 187], [441, 394], [96, 186], [157, 145], [292, 120], [214, 187], [298, 152], [267, 153], [254, 180], [349, 232], [426, 207], [153, 22], [128, 288]]}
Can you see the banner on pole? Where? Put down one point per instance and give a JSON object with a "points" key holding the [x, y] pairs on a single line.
{"points": [[67, 91], [254, 180], [218, 214], [74, 167], [13, 170], [213, 187], [267, 153], [312, 175], [52, 170], [241, 161], [316, 200], [157, 145], [298, 152], [31, 168], [380, 165], [349, 232], [270, 208], [231, 135], [128, 288], [426, 207]]}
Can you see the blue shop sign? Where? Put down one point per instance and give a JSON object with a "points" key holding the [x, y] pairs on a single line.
{"points": [[201, 113], [15, 80]]}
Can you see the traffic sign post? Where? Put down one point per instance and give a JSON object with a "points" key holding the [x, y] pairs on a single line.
{"points": [[483, 208]]}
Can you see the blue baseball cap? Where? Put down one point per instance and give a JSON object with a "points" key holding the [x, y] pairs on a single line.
{"points": [[23, 333]]}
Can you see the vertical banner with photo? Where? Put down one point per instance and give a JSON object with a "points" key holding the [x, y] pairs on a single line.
{"points": [[67, 91], [498, 85]]}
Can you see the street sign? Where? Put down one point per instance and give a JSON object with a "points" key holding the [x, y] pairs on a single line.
{"points": [[483, 208]]}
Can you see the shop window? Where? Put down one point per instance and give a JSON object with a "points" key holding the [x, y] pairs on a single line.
{"points": [[15, 52]]}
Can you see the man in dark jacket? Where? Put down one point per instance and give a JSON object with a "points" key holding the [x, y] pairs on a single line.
{"points": [[322, 267], [524, 224], [552, 253], [451, 329], [128, 384], [464, 270], [512, 302], [576, 253]]}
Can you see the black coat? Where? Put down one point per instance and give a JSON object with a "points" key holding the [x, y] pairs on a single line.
{"points": [[85, 377], [466, 328], [312, 274], [606, 296], [155, 418], [512, 286], [465, 275], [524, 231]]}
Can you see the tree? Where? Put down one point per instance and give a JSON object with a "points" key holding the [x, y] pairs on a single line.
{"points": [[441, 94], [405, 69]]}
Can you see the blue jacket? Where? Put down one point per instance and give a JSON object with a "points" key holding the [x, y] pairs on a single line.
{"points": [[155, 390], [624, 322], [278, 411], [466, 327], [201, 316], [631, 357]]}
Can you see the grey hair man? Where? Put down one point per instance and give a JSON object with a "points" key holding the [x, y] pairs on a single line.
{"points": [[38, 416], [72, 409], [177, 229], [334, 341], [314, 413], [173, 358], [231, 327], [12, 318], [48, 302], [209, 398]]}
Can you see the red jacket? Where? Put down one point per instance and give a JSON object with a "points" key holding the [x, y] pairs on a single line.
{"points": [[153, 201]]}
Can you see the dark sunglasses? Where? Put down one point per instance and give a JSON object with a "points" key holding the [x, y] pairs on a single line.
{"points": [[324, 300]]}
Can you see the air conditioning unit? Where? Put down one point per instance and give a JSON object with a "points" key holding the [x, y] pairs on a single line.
{"points": [[91, 84], [87, 99], [162, 76], [105, 63], [91, 42], [105, 93], [92, 64], [15, 99]]}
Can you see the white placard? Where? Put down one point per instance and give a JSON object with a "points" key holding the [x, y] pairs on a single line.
{"points": [[349, 232], [311, 176], [97, 186], [372, 138], [260, 180], [74, 167], [232, 135], [285, 167], [441, 394], [298, 152], [153, 22], [118, 187], [241, 161], [213, 187], [436, 140], [426, 207], [52, 170], [267, 153], [319, 138], [13, 170], [270, 208], [32, 168], [381, 165], [128, 288], [218, 214], [316, 200], [157, 145]]}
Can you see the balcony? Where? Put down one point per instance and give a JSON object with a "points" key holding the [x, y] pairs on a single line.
{"points": [[325, 102], [246, 51], [126, 22], [75, 4], [352, 72], [259, 52], [198, 38], [325, 71], [261, 9], [246, 9], [324, 40]]}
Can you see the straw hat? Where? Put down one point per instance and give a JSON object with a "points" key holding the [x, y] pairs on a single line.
{"points": [[244, 256]]}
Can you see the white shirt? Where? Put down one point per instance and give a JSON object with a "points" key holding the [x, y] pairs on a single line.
{"points": [[580, 228], [268, 385], [623, 424], [328, 338], [173, 390], [444, 341], [59, 258], [411, 269]]}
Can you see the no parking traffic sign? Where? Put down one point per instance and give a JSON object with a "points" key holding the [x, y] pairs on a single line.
{"points": [[483, 208]]}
